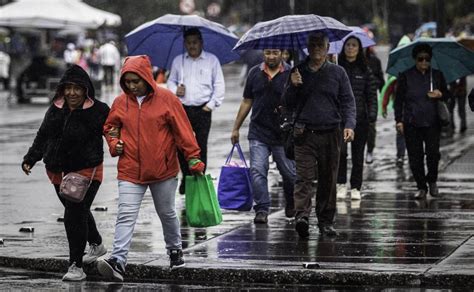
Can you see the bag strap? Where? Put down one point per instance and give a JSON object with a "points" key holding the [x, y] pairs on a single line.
{"points": [[92, 177], [241, 154]]}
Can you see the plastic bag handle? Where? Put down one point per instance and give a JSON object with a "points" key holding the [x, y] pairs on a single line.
{"points": [[241, 154]]}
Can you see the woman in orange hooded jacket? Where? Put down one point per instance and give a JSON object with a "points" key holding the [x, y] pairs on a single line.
{"points": [[145, 127]]}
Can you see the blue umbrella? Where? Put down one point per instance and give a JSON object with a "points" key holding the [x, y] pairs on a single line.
{"points": [[366, 41], [162, 39], [450, 57], [290, 32]]}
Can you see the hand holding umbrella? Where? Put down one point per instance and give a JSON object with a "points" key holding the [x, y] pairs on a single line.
{"points": [[296, 78]]}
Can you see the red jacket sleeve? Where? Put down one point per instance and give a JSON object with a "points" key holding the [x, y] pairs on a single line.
{"points": [[113, 121], [182, 130]]}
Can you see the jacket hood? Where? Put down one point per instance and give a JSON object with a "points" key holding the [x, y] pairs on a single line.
{"points": [[75, 74], [141, 66]]}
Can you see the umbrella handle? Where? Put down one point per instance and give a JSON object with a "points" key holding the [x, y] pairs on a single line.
{"points": [[431, 79], [181, 78]]}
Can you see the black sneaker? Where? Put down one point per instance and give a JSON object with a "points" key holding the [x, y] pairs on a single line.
{"points": [[261, 218], [290, 211], [111, 269], [327, 230], [302, 226], [176, 259], [434, 191], [399, 162], [420, 195]]}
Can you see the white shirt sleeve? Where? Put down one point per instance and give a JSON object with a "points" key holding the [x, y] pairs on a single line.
{"points": [[173, 78], [218, 93]]}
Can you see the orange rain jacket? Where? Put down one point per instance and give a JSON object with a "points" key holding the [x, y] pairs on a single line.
{"points": [[151, 132]]}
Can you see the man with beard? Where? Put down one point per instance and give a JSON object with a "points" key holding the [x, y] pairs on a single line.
{"points": [[262, 93]]}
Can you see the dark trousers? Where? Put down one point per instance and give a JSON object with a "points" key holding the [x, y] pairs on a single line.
{"points": [[401, 147], [421, 141], [321, 150], [357, 155], [201, 123], [6, 83], [371, 135], [80, 224], [461, 101], [108, 74]]}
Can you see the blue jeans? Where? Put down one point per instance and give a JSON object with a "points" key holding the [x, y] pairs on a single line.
{"points": [[259, 154], [130, 199]]}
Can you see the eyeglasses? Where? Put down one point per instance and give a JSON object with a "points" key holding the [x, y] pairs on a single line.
{"points": [[421, 59]]}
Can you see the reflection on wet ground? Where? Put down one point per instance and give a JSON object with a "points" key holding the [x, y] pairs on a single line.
{"points": [[387, 227], [23, 280], [388, 230]]}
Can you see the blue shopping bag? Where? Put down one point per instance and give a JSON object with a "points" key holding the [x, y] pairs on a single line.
{"points": [[235, 188]]}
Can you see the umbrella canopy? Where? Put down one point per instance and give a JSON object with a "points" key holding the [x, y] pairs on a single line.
{"points": [[290, 32], [451, 58], [55, 14], [162, 39], [366, 41]]}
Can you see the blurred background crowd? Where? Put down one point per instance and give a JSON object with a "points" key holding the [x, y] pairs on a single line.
{"points": [[91, 32]]}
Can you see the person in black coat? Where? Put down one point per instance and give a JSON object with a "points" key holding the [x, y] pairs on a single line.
{"points": [[363, 85], [419, 90], [376, 67], [70, 140]]}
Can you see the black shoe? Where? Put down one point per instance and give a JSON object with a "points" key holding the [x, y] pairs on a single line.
{"points": [[433, 189], [176, 259], [111, 269], [420, 195], [290, 211], [327, 230], [261, 218], [182, 187], [463, 129], [399, 162], [302, 227]]}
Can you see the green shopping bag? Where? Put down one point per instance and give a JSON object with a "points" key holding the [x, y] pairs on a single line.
{"points": [[202, 207]]}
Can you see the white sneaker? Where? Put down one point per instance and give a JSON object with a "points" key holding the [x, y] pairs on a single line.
{"points": [[74, 274], [95, 251], [369, 158], [355, 194], [341, 191]]}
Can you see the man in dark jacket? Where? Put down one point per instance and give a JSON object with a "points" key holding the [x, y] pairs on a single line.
{"points": [[419, 90], [323, 91]]}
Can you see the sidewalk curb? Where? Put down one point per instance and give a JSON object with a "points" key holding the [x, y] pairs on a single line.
{"points": [[146, 273]]}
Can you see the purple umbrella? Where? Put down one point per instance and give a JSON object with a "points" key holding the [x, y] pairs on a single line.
{"points": [[366, 41]]}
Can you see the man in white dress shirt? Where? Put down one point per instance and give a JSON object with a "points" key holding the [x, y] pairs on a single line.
{"points": [[196, 78]]}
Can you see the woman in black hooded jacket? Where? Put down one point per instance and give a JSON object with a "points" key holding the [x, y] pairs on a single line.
{"points": [[363, 85], [70, 140]]}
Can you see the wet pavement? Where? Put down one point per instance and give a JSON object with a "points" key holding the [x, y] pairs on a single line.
{"points": [[387, 238]]}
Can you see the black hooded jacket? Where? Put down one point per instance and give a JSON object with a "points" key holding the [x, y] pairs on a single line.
{"points": [[364, 88], [70, 140]]}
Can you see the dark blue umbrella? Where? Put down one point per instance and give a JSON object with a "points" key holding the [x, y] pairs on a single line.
{"points": [[290, 32], [162, 39]]}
